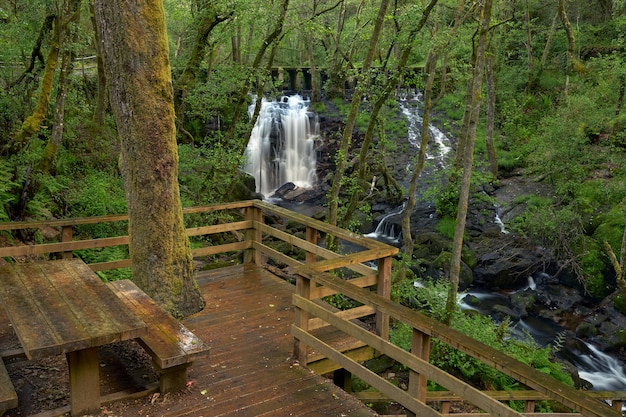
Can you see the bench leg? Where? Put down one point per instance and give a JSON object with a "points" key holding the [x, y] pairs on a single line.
{"points": [[173, 379], [84, 370]]}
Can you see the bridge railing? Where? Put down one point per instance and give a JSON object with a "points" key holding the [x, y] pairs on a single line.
{"points": [[360, 272], [416, 398]]}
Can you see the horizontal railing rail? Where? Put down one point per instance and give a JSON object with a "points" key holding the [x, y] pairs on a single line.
{"points": [[415, 398]]}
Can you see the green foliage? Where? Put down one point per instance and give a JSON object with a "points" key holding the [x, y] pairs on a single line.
{"points": [[431, 299], [6, 186], [201, 168], [445, 226], [215, 97], [98, 194]]}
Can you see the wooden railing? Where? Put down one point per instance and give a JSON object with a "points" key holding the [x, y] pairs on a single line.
{"points": [[416, 398], [360, 273]]}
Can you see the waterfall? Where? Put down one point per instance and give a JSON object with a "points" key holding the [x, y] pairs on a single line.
{"points": [[386, 230], [409, 102], [282, 145], [603, 371], [441, 144]]}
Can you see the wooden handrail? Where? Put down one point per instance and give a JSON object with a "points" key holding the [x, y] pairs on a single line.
{"points": [[545, 386]]}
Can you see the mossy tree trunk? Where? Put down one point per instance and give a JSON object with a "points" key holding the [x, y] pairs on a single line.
{"points": [[99, 111], [491, 115], [135, 51], [32, 124], [468, 158], [209, 17], [70, 12]]}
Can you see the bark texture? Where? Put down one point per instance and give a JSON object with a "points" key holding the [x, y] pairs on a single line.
{"points": [[135, 51]]}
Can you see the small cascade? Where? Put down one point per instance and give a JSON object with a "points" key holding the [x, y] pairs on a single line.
{"points": [[282, 145], [604, 372], [386, 229], [499, 221], [441, 144]]}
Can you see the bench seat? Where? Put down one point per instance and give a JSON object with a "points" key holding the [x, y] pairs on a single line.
{"points": [[8, 396], [171, 345]]}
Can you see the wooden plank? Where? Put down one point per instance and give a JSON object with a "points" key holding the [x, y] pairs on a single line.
{"points": [[366, 375], [351, 314], [351, 259], [30, 322], [170, 342], [278, 256], [366, 281], [60, 306], [229, 247], [8, 396], [577, 400], [219, 228], [105, 317]]}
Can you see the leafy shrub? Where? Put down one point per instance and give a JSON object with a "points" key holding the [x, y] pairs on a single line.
{"points": [[6, 185], [98, 194]]}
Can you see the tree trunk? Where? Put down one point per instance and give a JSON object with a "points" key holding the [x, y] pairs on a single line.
{"points": [[207, 21], [341, 159], [429, 73], [468, 159], [32, 124], [571, 46], [390, 86], [430, 69], [491, 115], [99, 112], [30, 185], [135, 50]]}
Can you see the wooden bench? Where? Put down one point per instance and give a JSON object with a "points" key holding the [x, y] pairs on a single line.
{"points": [[8, 396], [172, 346]]}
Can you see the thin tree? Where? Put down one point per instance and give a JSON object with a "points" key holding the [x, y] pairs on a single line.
{"points": [[342, 154], [430, 69], [135, 52], [468, 158], [388, 88]]}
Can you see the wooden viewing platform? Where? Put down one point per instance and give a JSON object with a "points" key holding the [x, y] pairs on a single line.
{"points": [[267, 335]]}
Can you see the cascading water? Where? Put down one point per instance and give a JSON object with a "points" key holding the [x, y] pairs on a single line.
{"points": [[282, 145], [410, 106]]}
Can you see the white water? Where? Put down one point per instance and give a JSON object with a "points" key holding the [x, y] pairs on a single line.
{"points": [[604, 372], [282, 145], [440, 143], [438, 150], [386, 230]]}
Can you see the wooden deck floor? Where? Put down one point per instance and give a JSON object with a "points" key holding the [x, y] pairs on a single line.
{"points": [[249, 372]]}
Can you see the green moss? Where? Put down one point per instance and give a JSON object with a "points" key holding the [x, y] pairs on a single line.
{"points": [[611, 227]]}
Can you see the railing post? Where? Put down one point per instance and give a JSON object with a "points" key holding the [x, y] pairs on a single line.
{"points": [[420, 347], [311, 237], [253, 235], [303, 289], [66, 236], [384, 290]]}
